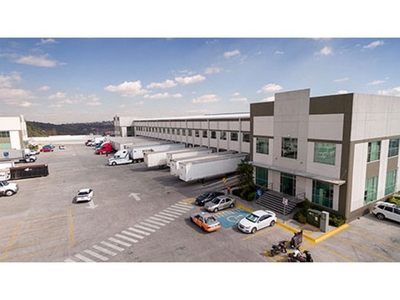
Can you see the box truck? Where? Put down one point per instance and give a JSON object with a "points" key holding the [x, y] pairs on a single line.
{"points": [[174, 165], [136, 154], [17, 155], [213, 167], [187, 152], [159, 158]]}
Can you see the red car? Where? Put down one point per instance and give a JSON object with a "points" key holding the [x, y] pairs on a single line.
{"points": [[46, 149]]}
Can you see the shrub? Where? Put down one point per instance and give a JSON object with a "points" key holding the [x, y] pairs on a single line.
{"points": [[336, 220], [301, 216]]}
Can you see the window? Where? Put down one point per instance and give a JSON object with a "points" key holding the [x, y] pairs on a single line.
{"points": [[246, 137], [234, 136], [393, 147], [289, 148], [325, 153], [204, 133], [390, 182], [196, 133], [374, 151], [189, 131], [213, 135], [262, 145], [223, 135], [322, 193], [371, 188], [261, 176]]}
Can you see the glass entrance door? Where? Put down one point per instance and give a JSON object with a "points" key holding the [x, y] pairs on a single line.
{"points": [[288, 184]]}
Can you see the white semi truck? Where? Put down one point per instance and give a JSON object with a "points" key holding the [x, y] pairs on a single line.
{"points": [[136, 153], [187, 152], [17, 155], [174, 166], [159, 158], [213, 167]]}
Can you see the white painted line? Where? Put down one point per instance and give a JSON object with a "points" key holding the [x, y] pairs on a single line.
{"points": [[183, 204], [132, 234], [155, 222], [175, 210], [84, 258], [145, 228], [150, 225], [126, 238], [174, 213], [95, 254], [182, 209], [112, 246], [169, 216], [119, 242], [140, 231], [104, 250], [160, 220], [69, 260], [164, 217]]}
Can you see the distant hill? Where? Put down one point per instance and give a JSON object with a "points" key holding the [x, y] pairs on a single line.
{"points": [[38, 129]]}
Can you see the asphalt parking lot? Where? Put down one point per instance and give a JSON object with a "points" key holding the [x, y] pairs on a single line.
{"points": [[142, 215]]}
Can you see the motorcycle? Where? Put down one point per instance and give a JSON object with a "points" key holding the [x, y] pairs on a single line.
{"points": [[297, 256], [280, 248]]}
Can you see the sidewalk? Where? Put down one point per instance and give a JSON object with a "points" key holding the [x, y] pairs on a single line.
{"points": [[310, 232]]}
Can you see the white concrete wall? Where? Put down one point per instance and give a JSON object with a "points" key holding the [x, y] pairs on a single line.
{"points": [[326, 127], [358, 176], [263, 126]]}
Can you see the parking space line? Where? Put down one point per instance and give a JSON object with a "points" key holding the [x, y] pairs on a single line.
{"points": [[335, 253], [260, 232], [374, 239], [10, 242]]}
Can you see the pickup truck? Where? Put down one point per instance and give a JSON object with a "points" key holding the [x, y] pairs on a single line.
{"points": [[8, 188]]}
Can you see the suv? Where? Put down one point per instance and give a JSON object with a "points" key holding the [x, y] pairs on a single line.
{"points": [[386, 210], [207, 196], [8, 188]]}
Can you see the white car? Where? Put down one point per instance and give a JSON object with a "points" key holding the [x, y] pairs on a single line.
{"points": [[257, 220], [386, 210], [84, 195]]}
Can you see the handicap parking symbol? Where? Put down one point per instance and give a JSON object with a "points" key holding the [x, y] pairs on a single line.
{"points": [[232, 217]]}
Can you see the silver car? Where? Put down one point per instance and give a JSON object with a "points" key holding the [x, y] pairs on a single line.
{"points": [[220, 202]]}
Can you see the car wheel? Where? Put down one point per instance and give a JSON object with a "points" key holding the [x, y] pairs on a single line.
{"points": [[380, 216], [232, 205], [272, 223], [114, 163], [253, 230], [9, 193], [215, 209]]}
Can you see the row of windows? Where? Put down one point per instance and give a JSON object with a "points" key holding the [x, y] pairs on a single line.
{"points": [[325, 153], [4, 134], [371, 186], [234, 136]]}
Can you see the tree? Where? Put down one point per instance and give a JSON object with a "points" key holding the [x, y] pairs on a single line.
{"points": [[246, 179]]}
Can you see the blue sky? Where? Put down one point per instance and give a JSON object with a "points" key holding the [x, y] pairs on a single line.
{"points": [[67, 80]]}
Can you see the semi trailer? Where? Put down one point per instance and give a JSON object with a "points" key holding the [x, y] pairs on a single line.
{"points": [[17, 155], [187, 152], [213, 167], [159, 158]]}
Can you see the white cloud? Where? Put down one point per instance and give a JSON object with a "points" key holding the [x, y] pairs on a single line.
{"points": [[230, 54], [38, 61], [46, 41], [342, 92], [9, 80], [268, 99], [13, 96], [212, 70], [376, 82], [326, 51], [58, 95], [373, 45], [341, 79], [44, 88], [189, 79], [163, 85], [239, 99], [163, 96], [93, 100], [269, 88], [390, 92], [278, 52], [209, 98], [127, 89]]}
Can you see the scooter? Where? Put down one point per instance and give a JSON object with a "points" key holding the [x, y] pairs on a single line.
{"points": [[280, 248], [297, 256]]}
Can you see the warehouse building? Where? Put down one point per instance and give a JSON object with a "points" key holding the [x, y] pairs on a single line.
{"points": [[13, 132], [339, 151]]}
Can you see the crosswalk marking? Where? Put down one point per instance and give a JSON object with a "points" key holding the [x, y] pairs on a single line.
{"points": [[95, 254], [112, 246], [69, 260], [174, 213], [104, 250], [132, 234], [119, 242], [155, 222], [164, 217], [159, 220], [150, 225], [145, 228], [184, 205], [139, 231], [126, 238], [183, 209], [84, 258]]}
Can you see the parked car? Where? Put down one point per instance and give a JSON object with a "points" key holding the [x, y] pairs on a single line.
{"points": [[257, 220], [84, 195], [47, 148], [206, 197], [8, 188], [386, 210], [205, 221], [62, 147], [220, 202]]}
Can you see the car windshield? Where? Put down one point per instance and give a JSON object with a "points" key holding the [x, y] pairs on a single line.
{"points": [[210, 220], [83, 193], [252, 218], [216, 201], [4, 183]]}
